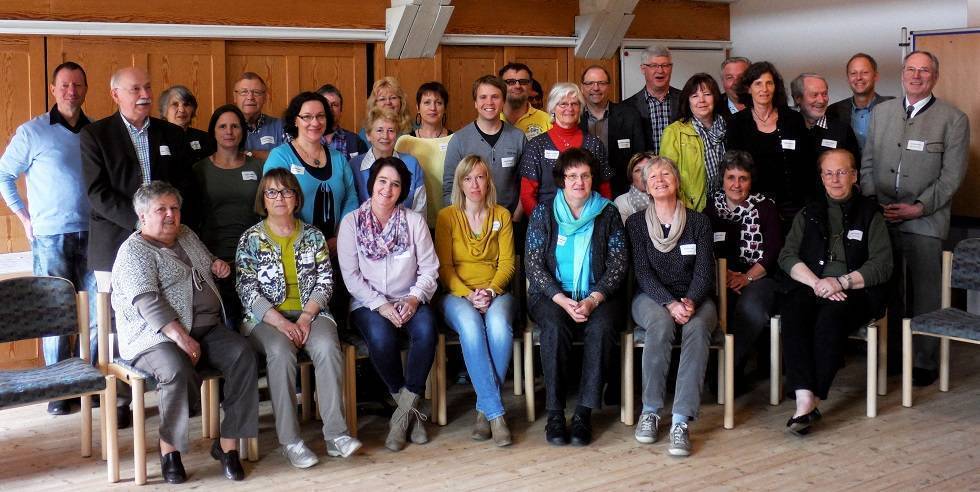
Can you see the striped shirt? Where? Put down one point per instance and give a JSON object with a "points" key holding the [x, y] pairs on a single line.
{"points": [[141, 141]]}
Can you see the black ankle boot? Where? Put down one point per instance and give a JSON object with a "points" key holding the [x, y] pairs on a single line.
{"points": [[172, 469]]}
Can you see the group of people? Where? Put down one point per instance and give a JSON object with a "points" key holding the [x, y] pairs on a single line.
{"points": [[264, 236]]}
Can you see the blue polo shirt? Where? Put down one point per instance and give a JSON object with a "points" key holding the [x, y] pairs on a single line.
{"points": [[46, 150], [266, 135]]}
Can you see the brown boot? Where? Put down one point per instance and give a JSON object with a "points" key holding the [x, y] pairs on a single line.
{"points": [[501, 434], [400, 420], [481, 430]]}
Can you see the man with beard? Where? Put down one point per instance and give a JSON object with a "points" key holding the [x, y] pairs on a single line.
{"points": [[809, 91], [862, 74], [517, 110], [617, 126]]}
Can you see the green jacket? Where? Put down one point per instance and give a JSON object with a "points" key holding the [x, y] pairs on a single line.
{"points": [[682, 144]]}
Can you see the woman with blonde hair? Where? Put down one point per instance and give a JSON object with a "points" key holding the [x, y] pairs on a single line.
{"points": [[475, 246], [387, 93]]}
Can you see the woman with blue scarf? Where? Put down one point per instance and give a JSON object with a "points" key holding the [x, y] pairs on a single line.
{"points": [[576, 261]]}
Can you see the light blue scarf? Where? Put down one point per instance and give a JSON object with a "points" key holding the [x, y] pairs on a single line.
{"points": [[574, 250]]}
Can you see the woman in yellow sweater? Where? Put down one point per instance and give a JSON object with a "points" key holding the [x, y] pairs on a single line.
{"points": [[475, 246]]}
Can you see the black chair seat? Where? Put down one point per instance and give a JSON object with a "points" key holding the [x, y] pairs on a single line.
{"points": [[69, 377]]}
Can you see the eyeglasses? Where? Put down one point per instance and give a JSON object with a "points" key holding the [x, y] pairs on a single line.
{"points": [[387, 99], [253, 92], [321, 117], [517, 81], [657, 66], [567, 105], [272, 193], [917, 70], [840, 173], [575, 177], [597, 83]]}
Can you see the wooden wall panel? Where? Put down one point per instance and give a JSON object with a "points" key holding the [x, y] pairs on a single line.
{"points": [[680, 19], [461, 65], [550, 65], [514, 17], [411, 73]]}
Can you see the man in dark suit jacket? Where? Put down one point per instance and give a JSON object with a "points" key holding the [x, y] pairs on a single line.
{"points": [[862, 74], [119, 154], [618, 126], [657, 95], [810, 94]]}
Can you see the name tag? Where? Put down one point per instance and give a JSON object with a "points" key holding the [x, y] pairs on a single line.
{"points": [[165, 150], [689, 249], [495, 226], [917, 145], [830, 144], [249, 176], [353, 154], [196, 145], [267, 140], [306, 258], [507, 162], [443, 146], [719, 237], [551, 154], [404, 255], [623, 143], [855, 234], [562, 240], [297, 169], [789, 144]]}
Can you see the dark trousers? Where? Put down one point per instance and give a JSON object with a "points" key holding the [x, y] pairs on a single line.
{"points": [[598, 335], [385, 350], [750, 312], [916, 288], [815, 332]]}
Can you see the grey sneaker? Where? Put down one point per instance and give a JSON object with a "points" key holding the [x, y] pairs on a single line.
{"points": [[299, 455], [342, 446], [646, 428], [680, 440]]}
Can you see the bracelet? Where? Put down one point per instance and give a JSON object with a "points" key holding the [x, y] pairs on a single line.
{"points": [[594, 299], [749, 278]]}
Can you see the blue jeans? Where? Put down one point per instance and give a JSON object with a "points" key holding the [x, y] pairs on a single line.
{"points": [[486, 341], [65, 256], [384, 348]]}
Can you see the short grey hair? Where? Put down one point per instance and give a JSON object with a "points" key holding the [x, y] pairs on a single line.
{"points": [[796, 86], [735, 59], [151, 191], [935, 60], [661, 161], [181, 93], [655, 50], [559, 91]]}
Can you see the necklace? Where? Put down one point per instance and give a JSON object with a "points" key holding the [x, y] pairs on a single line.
{"points": [[308, 156], [764, 120], [436, 135]]}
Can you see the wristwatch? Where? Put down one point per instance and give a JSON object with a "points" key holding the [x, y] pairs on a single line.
{"points": [[750, 278]]}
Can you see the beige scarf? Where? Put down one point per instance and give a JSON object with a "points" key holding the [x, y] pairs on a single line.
{"points": [[665, 244]]}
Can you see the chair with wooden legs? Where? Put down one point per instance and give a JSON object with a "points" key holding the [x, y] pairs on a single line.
{"points": [[141, 382], [49, 306], [961, 270], [722, 342], [874, 334]]}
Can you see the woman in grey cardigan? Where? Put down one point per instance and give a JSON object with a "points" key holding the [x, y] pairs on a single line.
{"points": [[169, 319]]}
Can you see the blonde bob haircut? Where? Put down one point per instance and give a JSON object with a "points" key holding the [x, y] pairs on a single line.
{"points": [[383, 114], [665, 162], [466, 166], [403, 121]]}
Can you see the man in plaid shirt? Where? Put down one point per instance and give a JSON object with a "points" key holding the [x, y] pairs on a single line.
{"points": [[657, 102]]}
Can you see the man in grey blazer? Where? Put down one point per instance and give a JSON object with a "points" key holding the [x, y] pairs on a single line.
{"points": [[914, 161], [657, 102]]}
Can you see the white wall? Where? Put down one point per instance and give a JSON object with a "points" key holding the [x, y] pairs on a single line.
{"points": [[820, 35]]}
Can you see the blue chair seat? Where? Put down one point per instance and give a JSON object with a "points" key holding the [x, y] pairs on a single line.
{"points": [[948, 322], [69, 377]]}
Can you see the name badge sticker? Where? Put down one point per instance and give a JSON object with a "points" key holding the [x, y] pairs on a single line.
{"points": [[550, 154], [855, 234], [404, 255], [562, 240], [249, 176], [719, 236], [623, 143], [506, 162], [443, 146], [830, 144], [788, 144], [164, 150], [495, 226], [916, 145], [353, 154], [196, 145], [297, 169], [689, 249], [306, 257], [267, 140]]}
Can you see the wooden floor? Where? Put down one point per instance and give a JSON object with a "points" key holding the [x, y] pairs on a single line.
{"points": [[934, 445]]}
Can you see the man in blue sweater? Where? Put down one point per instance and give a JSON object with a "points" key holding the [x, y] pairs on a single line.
{"points": [[46, 150]]}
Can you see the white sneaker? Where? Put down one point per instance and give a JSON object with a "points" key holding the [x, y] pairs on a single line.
{"points": [[343, 446], [299, 455]]}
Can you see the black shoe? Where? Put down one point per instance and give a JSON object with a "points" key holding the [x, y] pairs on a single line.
{"points": [[555, 432], [800, 426], [172, 469], [581, 430], [230, 464], [124, 417], [59, 407], [920, 377]]}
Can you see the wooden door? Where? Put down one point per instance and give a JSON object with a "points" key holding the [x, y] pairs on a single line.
{"points": [[461, 65]]}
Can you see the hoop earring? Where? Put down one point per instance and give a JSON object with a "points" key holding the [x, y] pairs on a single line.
{"points": [[418, 119]]}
